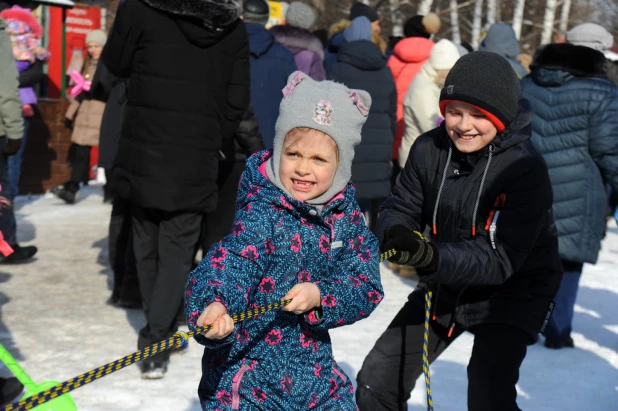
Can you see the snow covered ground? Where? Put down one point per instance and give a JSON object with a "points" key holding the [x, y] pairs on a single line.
{"points": [[55, 320]]}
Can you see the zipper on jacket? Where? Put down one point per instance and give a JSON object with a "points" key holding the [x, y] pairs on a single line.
{"points": [[236, 385], [454, 315]]}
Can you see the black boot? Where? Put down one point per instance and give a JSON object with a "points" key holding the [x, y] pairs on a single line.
{"points": [[10, 390], [20, 254], [67, 192]]}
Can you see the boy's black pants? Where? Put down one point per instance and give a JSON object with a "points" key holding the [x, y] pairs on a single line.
{"points": [[391, 368], [164, 244]]}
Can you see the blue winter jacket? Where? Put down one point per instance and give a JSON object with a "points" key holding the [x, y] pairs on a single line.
{"points": [[271, 65], [280, 360], [575, 128]]}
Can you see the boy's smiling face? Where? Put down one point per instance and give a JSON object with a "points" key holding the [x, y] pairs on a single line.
{"points": [[469, 129], [308, 163]]}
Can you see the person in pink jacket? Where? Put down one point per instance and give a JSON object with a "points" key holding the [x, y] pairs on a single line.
{"points": [[409, 56]]}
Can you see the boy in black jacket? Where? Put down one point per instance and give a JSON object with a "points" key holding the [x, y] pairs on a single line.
{"points": [[492, 265]]}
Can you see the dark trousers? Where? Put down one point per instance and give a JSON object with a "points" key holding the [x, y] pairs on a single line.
{"points": [[218, 224], [7, 216], [389, 372], [164, 244], [80, 164], [121, 255], [561, 321]]}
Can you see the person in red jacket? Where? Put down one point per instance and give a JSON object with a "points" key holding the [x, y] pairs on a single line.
{"points": [[408, 57]]}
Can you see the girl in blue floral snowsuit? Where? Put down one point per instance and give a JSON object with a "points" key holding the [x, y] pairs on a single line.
{"points": [[298, 233]]}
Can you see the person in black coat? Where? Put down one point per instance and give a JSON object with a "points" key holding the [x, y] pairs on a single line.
{"points": [[113, 91], [492, 266], [188, 64], [361, 65]]}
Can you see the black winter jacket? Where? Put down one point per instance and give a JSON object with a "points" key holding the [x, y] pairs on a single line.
{"points": [[188, 64], [509, 275], [362, 66]]}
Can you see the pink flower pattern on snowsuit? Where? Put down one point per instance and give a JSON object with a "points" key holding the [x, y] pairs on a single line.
{"points": [[274, 244]]}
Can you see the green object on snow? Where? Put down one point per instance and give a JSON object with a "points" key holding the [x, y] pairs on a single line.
{"points": [[63, 403]]}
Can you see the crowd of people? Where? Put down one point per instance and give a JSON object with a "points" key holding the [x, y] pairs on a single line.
{"points": [[290, 159]]}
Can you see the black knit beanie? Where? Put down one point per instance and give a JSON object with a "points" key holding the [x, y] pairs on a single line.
{"points": [[359, 9], [414, 28], [487, 81]]}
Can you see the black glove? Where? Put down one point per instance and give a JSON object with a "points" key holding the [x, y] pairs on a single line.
{"points": [[411, 248], [12, 146], [68, 123]]}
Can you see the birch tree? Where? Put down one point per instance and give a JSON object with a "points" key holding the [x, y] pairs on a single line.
{"points": [[491, 12], [518, 17], [396, 18], [548, 21], [424, 7], [564, 15], [456, 36], [477, 22]]}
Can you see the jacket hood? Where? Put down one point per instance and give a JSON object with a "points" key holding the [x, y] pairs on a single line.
{"points": [[214, 14], [362, 54], [518, 131], [255, 186], [260, 39], [2, 23], [297, 38], [556, 64], [338, 27], [413, 49], [501, 40]]}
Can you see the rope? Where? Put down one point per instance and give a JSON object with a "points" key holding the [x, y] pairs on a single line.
{"points": [[178, 340], [181, 340]]}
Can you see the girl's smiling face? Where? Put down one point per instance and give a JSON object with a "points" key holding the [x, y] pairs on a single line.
{"points": [[309, 161], [469, 129]]}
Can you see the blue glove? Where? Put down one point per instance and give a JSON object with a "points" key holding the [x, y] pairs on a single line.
{"points": [[616, 215]]}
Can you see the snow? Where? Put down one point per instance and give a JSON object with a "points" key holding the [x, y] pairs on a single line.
{"points": [[55, 321]]}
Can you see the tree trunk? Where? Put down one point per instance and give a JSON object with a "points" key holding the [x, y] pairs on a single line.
{"points": [[455, 22], [491, 12], [477, 22], [424, 7], [518, 16], [548, 21], [396, 19], [564, 15]]}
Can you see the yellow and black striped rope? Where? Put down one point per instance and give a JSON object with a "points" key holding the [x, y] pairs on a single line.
{"points": [[178, 340], [428, 294]]}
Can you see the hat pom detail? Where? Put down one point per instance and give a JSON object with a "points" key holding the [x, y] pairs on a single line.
{"points": [[432, 23]]}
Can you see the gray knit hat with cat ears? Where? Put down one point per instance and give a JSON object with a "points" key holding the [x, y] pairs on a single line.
{"points": [[329, 107]]}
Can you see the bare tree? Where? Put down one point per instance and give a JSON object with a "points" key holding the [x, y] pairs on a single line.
{"points": [[564, 15], [424, 7], [477, 22], [455, 35], [491, 12], [518, 17], [396, 18], [548, 21]]}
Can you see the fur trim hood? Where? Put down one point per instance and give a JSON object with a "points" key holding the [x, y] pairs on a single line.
{"points": [[212, 13], [556, 63], [295, 37]]}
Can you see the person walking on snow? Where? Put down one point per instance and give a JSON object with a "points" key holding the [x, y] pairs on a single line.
{"points": [[84, 117], [298, 234], [492, 265], [188, 64], [11, 134], [576, 131]]}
